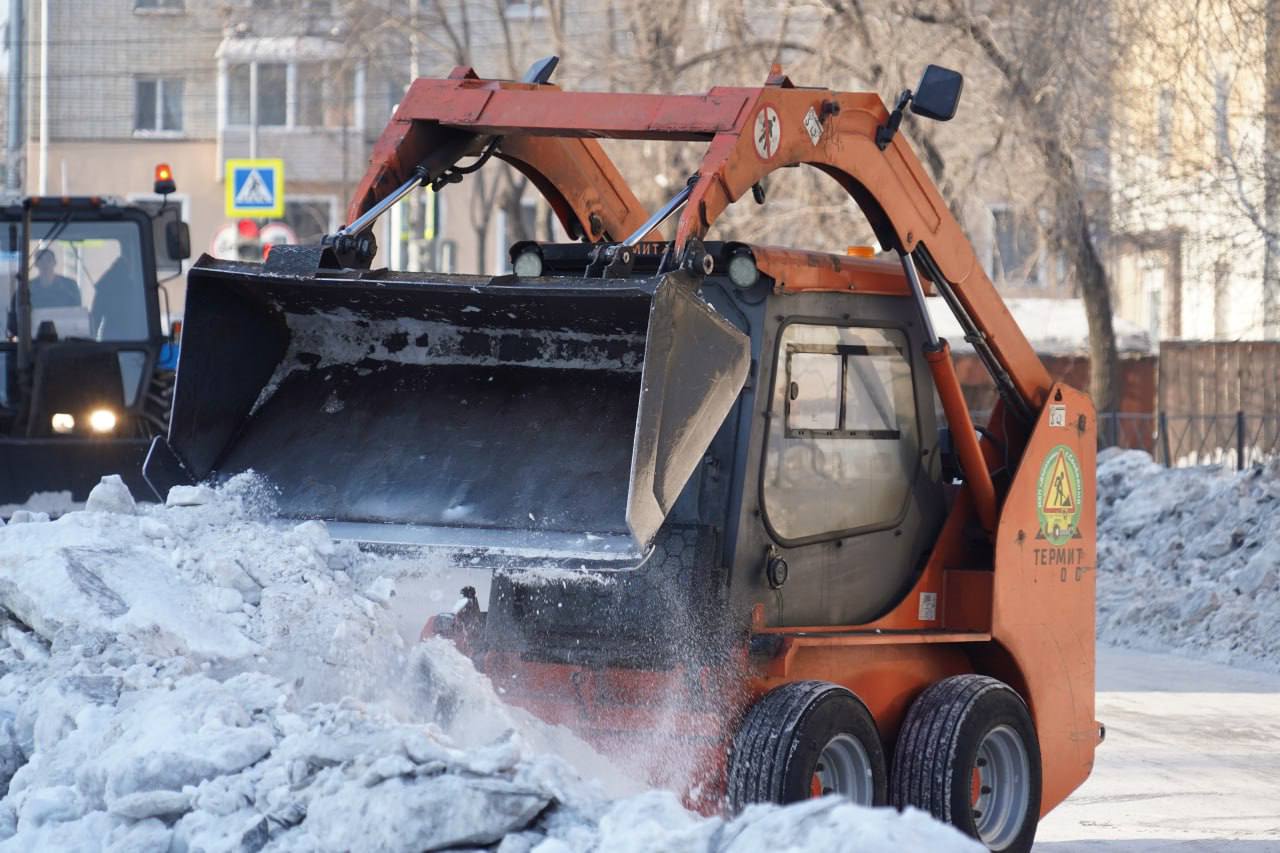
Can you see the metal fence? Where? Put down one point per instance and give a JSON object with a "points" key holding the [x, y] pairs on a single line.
{"points": [[1239, 439]]}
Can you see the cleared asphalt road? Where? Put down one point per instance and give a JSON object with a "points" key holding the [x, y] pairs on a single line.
{"points": [[1191, 761]]}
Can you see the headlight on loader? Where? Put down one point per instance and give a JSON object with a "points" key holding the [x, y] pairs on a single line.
{"points": [[102, 420], [62, 423]]}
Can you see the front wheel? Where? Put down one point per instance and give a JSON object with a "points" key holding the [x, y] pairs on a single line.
{"points": [[968, 754], [807, 739]]}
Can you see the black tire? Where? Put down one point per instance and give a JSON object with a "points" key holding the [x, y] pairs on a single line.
{"points": [[777, 749], [949, 729]]}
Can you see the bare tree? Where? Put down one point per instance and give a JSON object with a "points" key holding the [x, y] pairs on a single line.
{"points": [[1052, 94], [1271, 170]]}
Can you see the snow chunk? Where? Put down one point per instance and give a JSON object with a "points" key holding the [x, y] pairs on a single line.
{"points": [[316, 536], [381, 590], [190, 496], [145, 804], [50, 503], [111, 495], [26, 516]]}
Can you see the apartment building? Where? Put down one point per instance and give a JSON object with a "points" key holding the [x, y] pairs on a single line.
{"points": [[1187, 181], [131, 83]]}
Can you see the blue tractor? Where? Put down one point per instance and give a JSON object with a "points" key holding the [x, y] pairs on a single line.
{"points": [[88, 357]]}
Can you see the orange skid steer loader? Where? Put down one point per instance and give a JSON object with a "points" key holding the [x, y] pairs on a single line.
{"points": [[798, 576]]}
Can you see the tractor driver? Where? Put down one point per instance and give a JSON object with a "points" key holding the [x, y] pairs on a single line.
{"points": [[48, 289], [117, 313]]}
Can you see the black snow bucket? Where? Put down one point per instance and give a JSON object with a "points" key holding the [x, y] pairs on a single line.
{"points": [[472, 412]]}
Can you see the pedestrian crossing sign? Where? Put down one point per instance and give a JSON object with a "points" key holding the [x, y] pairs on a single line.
{"points": [[255, 188]]}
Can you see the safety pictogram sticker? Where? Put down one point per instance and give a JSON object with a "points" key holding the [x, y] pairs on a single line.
{"points": [[1059, 495], [813, 125], [768, 133]]}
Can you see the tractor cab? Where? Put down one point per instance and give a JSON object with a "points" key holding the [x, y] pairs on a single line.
{"points": [[85, 356]]}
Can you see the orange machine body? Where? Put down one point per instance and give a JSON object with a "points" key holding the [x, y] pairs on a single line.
{"points": [[1015, 601]]}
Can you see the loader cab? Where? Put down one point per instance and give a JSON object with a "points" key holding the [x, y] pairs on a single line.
{"points": [[820, 493]]}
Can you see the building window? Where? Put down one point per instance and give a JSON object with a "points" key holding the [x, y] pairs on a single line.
{"points": [[843, 423], [310, 218], [324, 94], [1164, 125], [158, 105], [1222, 116], [1015, 249], [308, 7], [158, 5], [239, 91], [524, 9], [303, 94], [273, 94]]}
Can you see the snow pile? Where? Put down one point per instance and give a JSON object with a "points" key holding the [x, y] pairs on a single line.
{"points": [[1189, 559], [49, 503], [194, 677]]}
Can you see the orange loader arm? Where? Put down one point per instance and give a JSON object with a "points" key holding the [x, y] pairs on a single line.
{"points": [[575, 175], [550, 135]]}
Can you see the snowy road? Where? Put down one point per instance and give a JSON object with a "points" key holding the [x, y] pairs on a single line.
{"points": [[1191, 761]]}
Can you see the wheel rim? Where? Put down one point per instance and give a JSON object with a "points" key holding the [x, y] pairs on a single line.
{"points": [[844, 769], [1001, 787]]}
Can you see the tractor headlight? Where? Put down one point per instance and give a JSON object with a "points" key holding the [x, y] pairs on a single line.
{"points": [[62, 423], [102, 420]]}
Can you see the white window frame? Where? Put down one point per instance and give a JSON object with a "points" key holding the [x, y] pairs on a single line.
{"points": [[291, 97], [156, 132], [180, 9], [525, 10]]}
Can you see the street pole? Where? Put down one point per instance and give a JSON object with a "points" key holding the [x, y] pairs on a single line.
{"points": [[253, 110], [44, 97], [16, 141]]}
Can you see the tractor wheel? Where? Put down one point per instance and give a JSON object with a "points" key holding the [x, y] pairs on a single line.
{"points": [[806, 739], [967, 753]]}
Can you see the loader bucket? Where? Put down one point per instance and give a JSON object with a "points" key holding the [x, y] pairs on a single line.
{"points": [[512, 416]]}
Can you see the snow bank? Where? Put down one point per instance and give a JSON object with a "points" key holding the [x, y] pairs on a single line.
{"points": [[49, 503], [1189, 559], [194, 677]]}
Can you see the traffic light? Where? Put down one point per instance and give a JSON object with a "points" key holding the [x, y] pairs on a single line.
{"points": [[248, 240]]}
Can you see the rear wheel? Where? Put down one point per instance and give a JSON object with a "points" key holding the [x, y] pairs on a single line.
{"points": [[967, 753], [807, 739]]}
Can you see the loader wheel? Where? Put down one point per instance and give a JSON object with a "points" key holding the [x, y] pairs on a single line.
{"points": [[807, 739], [968, 754]]}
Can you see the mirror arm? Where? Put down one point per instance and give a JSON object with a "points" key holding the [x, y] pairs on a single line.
{"points": [[886, 132]]}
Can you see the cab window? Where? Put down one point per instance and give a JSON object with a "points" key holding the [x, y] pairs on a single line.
{"points": [[87, 280], [843, 444]]}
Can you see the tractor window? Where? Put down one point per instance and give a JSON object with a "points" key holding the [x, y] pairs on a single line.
{"points": [[844, 443], [87, 280], [812, 399]]}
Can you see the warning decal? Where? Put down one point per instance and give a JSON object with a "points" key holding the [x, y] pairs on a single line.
{"points": [[768, 133], [1058, 496]]}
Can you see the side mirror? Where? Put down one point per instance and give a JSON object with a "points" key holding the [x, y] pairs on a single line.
{"points": [[177, 240], [938, 93]]}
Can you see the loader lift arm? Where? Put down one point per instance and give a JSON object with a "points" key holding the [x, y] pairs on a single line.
{"points": [[550, 136]]}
